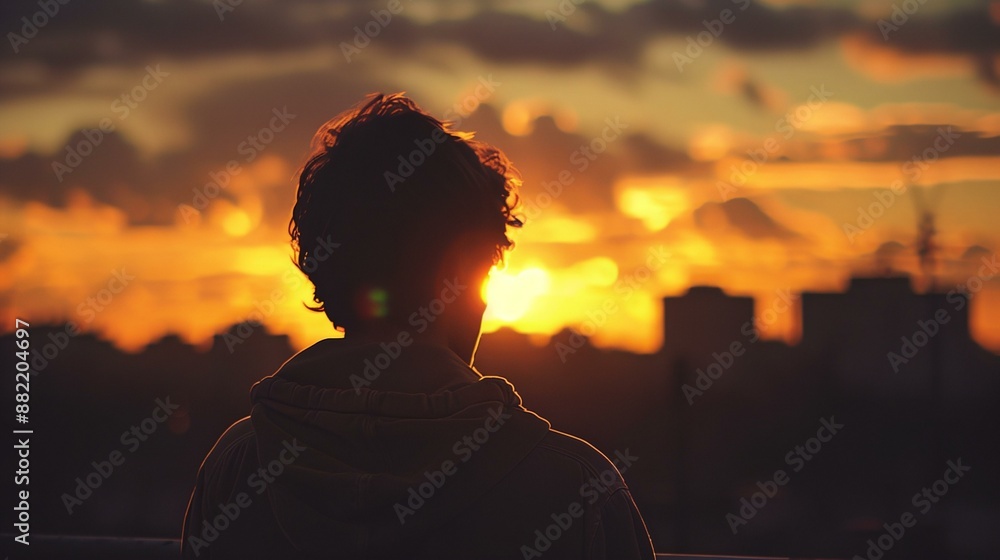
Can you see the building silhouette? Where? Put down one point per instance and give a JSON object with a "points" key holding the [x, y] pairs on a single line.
{"points": [[899, 369], [700, 453]]}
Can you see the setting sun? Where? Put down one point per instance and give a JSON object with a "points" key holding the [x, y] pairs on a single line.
{"points": [[509, 296]]}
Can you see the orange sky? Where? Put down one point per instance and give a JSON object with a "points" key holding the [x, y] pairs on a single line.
{"points": [[737, 170]]}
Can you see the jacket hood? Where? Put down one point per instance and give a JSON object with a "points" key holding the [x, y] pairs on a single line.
{"points": [[375, 445]]}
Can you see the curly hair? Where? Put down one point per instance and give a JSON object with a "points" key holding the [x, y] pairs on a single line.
{"points": [[394, 190]]}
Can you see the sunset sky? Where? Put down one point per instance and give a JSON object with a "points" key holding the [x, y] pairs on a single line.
{"points": [[752, 145]]}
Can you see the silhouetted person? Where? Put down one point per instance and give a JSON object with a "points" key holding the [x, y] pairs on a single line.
{"points": [[387, 443]]}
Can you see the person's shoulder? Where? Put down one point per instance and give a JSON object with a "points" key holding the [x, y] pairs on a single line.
{"points": [[236, 434], [576, 454], [233, 446]]}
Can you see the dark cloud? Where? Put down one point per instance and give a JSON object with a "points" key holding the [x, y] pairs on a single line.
{"points": [[972, 31], [125, 31], [975, 253], [150, 189], [890, 248], [112, 173], [907, 141], [758, 26], [502, 37], [645, 155], [742, 216], [902, 143], [549, 152], [888, 255]]}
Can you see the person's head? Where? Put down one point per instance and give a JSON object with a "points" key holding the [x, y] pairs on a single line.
{"points": [[397, 221]]}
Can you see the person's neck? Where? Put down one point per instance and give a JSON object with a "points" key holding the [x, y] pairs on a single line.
{"points": [[404, 335], [440, 332]]}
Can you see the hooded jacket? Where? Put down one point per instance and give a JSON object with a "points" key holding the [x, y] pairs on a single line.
{"points": [[373, 451]]}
